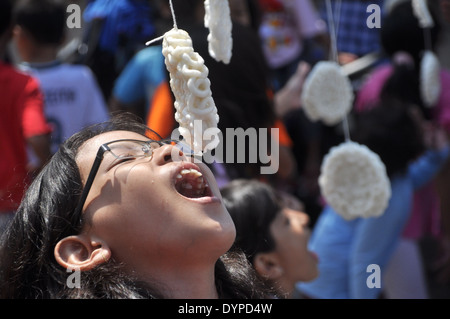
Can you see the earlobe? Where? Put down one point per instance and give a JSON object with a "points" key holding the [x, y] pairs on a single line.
{"points": [[16, 30], [268, 266], [78, 252]]}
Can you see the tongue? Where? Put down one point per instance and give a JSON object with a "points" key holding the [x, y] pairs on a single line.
{"points": [[190, 193]]}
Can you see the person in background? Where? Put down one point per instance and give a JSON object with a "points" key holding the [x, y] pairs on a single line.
{"points": [[22, 125], [137, 84], [273, 235], [393, 130], [115, 31], [403, 41], [292, 33], [289, 31], [73, 99], [144, 74]]}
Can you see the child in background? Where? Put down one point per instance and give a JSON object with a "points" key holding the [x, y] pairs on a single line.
{"points": [[22, 124], [403, 40], [73, 99], [348, 247], [273, 236]]}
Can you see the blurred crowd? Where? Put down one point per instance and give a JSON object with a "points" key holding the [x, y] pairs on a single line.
{"points": [[56, 80]]}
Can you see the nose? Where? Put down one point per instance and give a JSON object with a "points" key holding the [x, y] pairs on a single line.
{"points": [[302, 218], [305, 219], [168, 153]]}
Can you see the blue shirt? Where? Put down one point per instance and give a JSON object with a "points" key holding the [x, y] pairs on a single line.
{"points": [[141, 76], [346, 248], [122, 18], [353, 34]]}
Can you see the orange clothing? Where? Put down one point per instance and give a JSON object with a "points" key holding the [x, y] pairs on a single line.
{"points": [[161, 117]]}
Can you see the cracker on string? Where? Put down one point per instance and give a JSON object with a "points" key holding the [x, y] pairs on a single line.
{"points": [[327, 93], [354, 182], [218, 20]]}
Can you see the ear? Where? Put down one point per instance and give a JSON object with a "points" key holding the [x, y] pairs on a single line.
{"points": [[80, 252], [268, 266], [18, 32]]}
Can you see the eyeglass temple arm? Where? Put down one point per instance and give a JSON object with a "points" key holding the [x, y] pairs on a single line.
{"points": [[92, 174]]}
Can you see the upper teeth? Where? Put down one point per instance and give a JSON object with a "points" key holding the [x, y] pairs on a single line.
{"points": [[189, 171], [199, 183]]}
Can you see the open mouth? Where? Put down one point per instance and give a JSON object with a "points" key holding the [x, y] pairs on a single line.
{"points": [[191, 184]]}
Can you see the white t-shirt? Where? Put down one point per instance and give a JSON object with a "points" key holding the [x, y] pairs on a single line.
{"points": [[73, 99]]}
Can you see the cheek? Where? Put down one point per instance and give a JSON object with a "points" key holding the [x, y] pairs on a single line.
{"points": [[141, 211], [292, 245], [297, 259], [137, 187], [127, 206]]}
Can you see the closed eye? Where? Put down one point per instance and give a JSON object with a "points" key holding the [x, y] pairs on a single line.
{"points": [[287, 221], [120, 161]]}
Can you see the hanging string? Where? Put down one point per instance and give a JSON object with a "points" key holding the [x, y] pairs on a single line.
{"points": [[334, 26], [346, 129], [337, 17], [174, 25], [173, 15], [427, 38], [422, 13], [334, 54]]}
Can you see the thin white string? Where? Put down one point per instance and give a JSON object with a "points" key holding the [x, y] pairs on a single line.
{"points": [[337, 14], [331, 25], [174, 25], [334, 53], [173, 14], [346, 129], [427, 39], [154, 40]]}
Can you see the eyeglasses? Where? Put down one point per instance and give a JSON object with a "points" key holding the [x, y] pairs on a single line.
{"points": [[122, 150]]}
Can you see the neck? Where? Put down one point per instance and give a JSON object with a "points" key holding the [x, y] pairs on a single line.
{"points": [[285, 287], [184, 282], [40, 54]]}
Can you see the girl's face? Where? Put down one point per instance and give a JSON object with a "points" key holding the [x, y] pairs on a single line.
{"points": [[291, 234], [148, 211]]}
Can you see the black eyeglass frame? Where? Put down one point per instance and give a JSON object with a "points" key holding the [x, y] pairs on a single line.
{"points": [[99, 158]]}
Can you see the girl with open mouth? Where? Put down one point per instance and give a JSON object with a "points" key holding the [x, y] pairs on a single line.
{"points": [[114, 205]]}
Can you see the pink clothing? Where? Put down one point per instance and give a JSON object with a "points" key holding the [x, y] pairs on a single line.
{"points": [[425, 217], [370, 92]]}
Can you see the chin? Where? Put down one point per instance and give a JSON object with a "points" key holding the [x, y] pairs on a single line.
{"points": [[222, 234]]}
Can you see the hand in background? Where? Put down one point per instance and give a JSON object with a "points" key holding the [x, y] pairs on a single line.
{"points": [[288, 97]]}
